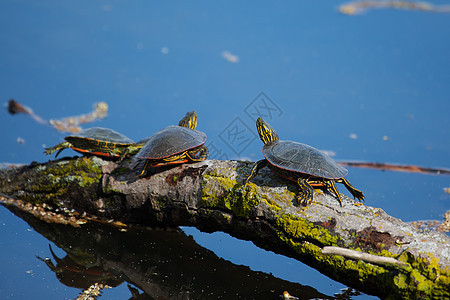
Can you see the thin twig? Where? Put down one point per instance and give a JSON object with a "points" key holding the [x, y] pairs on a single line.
{"points": [[357, 255]]}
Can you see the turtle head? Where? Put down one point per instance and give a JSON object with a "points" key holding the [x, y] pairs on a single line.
{"points": [[266, 132], [189, 120]]}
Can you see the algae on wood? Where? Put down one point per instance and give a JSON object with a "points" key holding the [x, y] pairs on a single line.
{"points": [[210, 196]]}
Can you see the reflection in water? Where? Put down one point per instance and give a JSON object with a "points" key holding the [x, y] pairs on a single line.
{"points": [[81, 274], [163, 263]]}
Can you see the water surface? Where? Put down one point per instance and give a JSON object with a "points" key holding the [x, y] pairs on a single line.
{"points": [[369, 87]]}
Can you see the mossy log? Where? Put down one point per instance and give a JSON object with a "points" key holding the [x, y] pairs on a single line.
{"points": [[210, 196]]}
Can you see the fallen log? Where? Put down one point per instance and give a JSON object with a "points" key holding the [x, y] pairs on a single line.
{"points": [[210, 196]]}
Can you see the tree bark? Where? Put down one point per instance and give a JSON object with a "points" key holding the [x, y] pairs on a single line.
{"points": [[210, 196]]}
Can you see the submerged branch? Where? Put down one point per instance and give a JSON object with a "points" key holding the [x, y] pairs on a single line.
{"points": [[210, 196], [358, 7], [395, 167], [68, 124]]}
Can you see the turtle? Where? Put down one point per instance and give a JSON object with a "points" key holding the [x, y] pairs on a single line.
{"points": [[98, 141], [301, 163], [174, 145]]}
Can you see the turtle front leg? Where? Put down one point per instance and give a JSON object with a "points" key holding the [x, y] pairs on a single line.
{"points": [[60, 147], [124, 154], [355, 192], [332, 186], [306, 193], [198, 154], [255, 169], [146, 167]]}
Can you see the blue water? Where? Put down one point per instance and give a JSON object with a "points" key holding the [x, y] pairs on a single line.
{"points": [[317, 76]]}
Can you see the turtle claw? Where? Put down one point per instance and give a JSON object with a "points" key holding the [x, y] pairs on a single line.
{"points": [[355, 192], [303, 200]]}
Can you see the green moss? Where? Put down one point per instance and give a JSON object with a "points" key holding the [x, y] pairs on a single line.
{"points": [[298, 228], [335, 265], [401, 281], [425, 278], [54, 180], [228, 194]]}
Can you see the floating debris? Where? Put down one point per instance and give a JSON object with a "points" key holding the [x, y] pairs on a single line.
{"points": [[107, 7], [443, 226], [426, 224], [359, 7], [20, 140], [92, 292], [15, 107], [71, 124], [330, 153], [165, 50], [353, 136], [385, 138], [288, 296], [447, 190], [230, 57], [140, 46]]}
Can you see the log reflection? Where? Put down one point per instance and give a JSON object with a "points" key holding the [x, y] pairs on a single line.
{"points": [[163, 263]]}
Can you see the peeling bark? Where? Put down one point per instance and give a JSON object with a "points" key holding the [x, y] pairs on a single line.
{"points": [[209, 195]]}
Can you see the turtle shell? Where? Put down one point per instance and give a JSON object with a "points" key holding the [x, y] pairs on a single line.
{"points": [[298, 157], [170, 141], [102, 135]]}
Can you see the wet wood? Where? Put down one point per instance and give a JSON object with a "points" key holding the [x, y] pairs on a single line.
{"points": [[210, 196]]}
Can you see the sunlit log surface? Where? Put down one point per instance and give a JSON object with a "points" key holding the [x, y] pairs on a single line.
{"points": [[209, 195]]}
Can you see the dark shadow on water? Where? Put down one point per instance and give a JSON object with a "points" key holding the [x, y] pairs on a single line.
{"points": [[162, 263]]}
